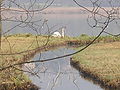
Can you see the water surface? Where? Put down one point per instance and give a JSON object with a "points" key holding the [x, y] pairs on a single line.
{"points": [[75, 23], [58, 74]]}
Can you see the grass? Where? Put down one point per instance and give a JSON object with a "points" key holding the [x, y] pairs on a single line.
{"points": [[24, 42], [20, 43], [102, 60]]}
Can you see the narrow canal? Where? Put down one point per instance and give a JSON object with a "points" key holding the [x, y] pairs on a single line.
{"points": [[57, 74]]}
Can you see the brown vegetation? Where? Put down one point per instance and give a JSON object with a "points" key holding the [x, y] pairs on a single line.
{"points": [[101, 63]]}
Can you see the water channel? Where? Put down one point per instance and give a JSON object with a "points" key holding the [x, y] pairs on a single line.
{"points": [[57, 74]]}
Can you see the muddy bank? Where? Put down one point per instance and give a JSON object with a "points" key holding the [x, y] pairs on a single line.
{"points": [[94, 78]]}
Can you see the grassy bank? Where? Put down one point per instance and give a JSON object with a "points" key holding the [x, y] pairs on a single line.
{"points": [[18, 44], [31, 44], [101, 62]]}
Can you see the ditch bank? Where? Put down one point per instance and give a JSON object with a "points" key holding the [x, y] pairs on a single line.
{"points": [[26, 57], [29, 54], [87, 74]]}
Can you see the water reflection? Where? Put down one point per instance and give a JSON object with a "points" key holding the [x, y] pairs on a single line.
{"points": [[76, 24], [58, 74]]}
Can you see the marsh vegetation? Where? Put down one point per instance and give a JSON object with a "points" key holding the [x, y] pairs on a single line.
{"points": [[98, 55], [101, 62]]}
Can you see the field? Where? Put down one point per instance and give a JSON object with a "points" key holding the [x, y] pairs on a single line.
{"points": [[21, 47], [101, 61]]}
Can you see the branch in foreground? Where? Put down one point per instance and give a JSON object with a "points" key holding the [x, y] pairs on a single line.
{"points": [[51, 59]]}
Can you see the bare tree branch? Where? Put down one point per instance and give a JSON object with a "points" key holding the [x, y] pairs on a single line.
{"points": [[51, 59]]}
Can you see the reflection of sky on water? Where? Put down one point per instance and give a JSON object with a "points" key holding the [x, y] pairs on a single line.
{"points": [[58, 74]]}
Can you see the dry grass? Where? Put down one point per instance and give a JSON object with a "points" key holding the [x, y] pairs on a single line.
{"points": [[19, 43], [102, 61], [15, 44]]}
